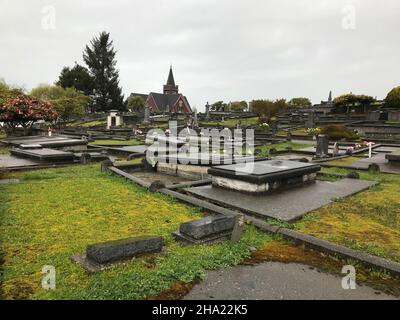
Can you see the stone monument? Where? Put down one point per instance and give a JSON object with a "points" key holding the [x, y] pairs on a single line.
{"points": [[322, 147]]}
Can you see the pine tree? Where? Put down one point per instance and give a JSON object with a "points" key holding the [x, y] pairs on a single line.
{"points": [[99, 56], [77, 77]]}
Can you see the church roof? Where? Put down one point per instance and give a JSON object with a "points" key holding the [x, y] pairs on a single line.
{"points": [[163, 100]]}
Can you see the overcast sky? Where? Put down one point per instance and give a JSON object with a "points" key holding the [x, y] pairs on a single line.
{"points": [[220, 50]]}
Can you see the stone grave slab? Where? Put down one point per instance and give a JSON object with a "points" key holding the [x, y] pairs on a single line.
{"points": [[99, 256], [206, 230], [263, 176], [205, 159], [287, 205], [395, 157], [44, 155], [10, 161], [45, 142]]}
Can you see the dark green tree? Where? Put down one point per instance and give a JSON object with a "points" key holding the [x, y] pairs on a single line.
{"points": [[300, 102], [99, 56], [136, 103], [77, 77], [393, 98], [352, 101]]}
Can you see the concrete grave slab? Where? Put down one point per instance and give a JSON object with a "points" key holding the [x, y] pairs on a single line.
{"points": [[264, 176], [207, 230], [100, 256], [287, 205], [44, 155], [10, 161]]}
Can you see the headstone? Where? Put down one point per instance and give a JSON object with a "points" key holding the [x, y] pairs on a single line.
{"points": [[322, 146], [85, 158], [238, 228], [156, 185], [393, 157], [208, 229], [207, 111], [274, 127], [146, 115], [310, 123], [106, 164], [195, 123], [335, 152], [100, 255]]}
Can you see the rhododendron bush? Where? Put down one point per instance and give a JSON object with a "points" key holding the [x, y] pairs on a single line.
{"points": [[24, 111]]}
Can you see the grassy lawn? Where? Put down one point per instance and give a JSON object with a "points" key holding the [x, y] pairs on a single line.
{"points": [[369, 221], [4, 150], [111, 142], [344, 161], [231, 122], [54, 213], [280, 146], [89, 124]]}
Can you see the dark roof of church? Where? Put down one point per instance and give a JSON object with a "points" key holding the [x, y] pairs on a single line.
{"points": [[162, 100], [171, 80]]}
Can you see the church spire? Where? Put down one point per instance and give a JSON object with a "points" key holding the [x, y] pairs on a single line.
{"points": [[170, 87], [171, 80]]}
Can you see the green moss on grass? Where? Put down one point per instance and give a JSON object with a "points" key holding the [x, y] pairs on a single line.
{"points": [[53, 214]]}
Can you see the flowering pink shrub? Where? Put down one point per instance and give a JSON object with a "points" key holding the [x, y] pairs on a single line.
{"points": [[25, 111]]}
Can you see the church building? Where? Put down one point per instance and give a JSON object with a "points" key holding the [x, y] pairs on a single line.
{"points": [[170, 101]]}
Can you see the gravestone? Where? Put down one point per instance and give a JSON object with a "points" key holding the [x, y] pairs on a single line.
{"points": [[85, 158], [322, 147], [238, 228], [146, 115], [207, 111], [393, 157], [208, 229], [310, 123], [263, 176], [335, 151], [116, 250], [106, 164], [195, 122]]}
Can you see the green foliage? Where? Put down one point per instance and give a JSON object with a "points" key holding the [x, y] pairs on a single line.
{"points": [[393, 98], [353, 101], [339, 132], [219, 106], [264, 150], [77, 77], [238, 106], [267, 109], [99, 56], [7, 92], [68, 102], [300, 102], [136, 103]]}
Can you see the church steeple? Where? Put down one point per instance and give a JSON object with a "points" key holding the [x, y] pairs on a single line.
{"points": [[170, 87]]}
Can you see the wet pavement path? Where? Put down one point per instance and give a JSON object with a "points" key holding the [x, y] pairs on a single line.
{"points": [[278, 281]]}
